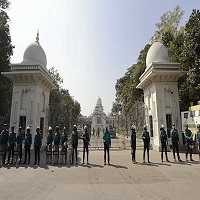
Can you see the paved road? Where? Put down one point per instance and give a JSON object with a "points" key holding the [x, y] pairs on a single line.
{"points": [[121, 180]]}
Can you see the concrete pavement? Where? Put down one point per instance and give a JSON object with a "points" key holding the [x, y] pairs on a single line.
{"points": [[120, 180]]}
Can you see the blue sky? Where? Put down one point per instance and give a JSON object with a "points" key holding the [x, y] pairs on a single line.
{"points": [[90, 42]]}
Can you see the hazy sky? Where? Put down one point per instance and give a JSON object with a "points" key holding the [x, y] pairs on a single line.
{"points": [[90, 42]]}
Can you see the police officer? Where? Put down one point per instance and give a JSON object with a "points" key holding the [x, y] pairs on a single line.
{"points": [[107, 145], [37, 145], [4, 142], [188, 142], [49, 143], [74, 141], [133, 143], [86, 139], [175, 141], [198, 138], [19, 141], [56, 143], [146, 140], [11, 141], [164, 142], [27, 144], [64, 140]]}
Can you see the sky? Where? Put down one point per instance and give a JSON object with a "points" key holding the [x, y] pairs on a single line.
{"points": [[90, 42]]}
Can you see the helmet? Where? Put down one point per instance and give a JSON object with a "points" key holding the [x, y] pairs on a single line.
{"points": [[162, 126], [74, 126], [198, 125], [38, 128], [173, 124], [145, 126], [133, 127], [28, 128], [50, 128], [186, 125], [85, 127]]}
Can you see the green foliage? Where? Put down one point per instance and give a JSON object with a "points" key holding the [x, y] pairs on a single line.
{"points": [[6, 51]]}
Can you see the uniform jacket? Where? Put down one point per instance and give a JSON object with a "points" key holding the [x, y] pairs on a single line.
{"points": [[86, 137], [20, 138], [188, 135], [38, 139], [4, 137], [106, 137], [28, 140], [146, 137], [56, 139], [174, 136], [133, 137], [49, 138], [198, 136], [64, 138], [12, 138], [163, 136], [74, 138]]}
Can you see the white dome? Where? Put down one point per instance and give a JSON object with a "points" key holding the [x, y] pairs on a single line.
{"points": [[35, 55], [157, 53], [99, 102]]}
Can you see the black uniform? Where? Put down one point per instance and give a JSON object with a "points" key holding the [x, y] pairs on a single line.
{"points": [[19, 141], [163, 140], [3, 143], [74, 141], [188, 142], [146, 140], [133, 143], [12, 140], [37, 146], [86, 140], [27, 146], [175, 141]]}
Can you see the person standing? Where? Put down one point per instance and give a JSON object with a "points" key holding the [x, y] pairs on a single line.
{"points": [[164, 142], [107, 145], [4, 142], [37, 145], [188, 142], [86, 139], [64, 140], [27, 144], [198, 138], [49, 146], [74, 142], [56, 145], [11, 141], [19, 141], [133, 143], [175, 142], [146, 140]]}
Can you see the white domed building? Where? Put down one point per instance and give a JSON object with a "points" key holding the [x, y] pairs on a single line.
{"points": [[159, 82], [31, 88]]}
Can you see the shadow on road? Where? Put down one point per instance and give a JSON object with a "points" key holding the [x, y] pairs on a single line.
{"points": [[118, 166]]}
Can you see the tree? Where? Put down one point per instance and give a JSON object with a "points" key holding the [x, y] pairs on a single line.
{"points": [[6, 51]]}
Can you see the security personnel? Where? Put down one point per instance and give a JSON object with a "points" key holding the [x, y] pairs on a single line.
{"points": [[86, 139], [4, 142], [27, 144], [133, 143], [56, 143], [188, 142], [164, 142], [64, 140], [175, 142], [37, 145], [11, 141], [74, 142], [107, 145], [19, 141], [146, 140], [198, 138], [49, 143]]}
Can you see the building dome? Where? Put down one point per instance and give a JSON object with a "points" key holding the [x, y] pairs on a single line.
{"points": [[157, 53], [35, 55], [99, 102]]}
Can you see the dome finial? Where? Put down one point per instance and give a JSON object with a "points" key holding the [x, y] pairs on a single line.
{"points": [[37, 38]]}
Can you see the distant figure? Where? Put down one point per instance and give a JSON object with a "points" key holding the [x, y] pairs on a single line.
{"points": [[74, 141], [198, 138], [188, 142], [164, 142], [107, 145], [37, 145], [175, 142], [86, 139], [133, 143], [56, 145], [19, 141], [11, 141], [98, 132], [146, 140], [49, 146], [4, 142], [27, 144]]}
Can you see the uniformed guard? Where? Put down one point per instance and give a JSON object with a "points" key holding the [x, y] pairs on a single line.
{"points": [[86, 139], [11, 141], [64, 140], [56, 145], [74, 142], [133, 143], [164, 142], [37, 145], [198, 138], [188, 142], [4, 142], [27, 144], [19, 141], [49, 146], [107, 145], [175, 142], [146, 140]]}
